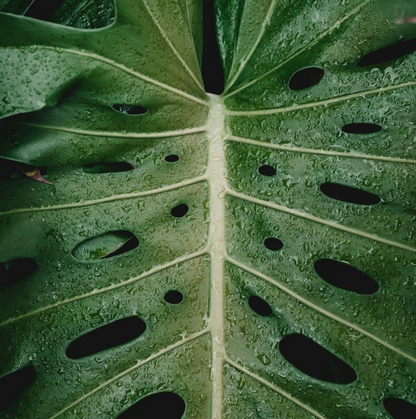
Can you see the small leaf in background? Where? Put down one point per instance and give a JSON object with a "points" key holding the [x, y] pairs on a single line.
{"points": [[31, 172], [411, 19]]}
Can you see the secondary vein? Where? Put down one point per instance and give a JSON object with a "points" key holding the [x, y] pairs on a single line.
{"points": [[107, 199], [328, 223], [315, 151], [274, 388], [305, 48], [129, 370], [105, 289], [319, 309], [325, 102]]}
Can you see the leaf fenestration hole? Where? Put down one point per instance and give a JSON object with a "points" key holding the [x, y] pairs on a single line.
{"points": [[163, 405], [16, 269], [173, 297], [399, 408], [349, 194], [386, 54], [179, 211], [305, 78], [345, 276], [361, 128], [272, 243], [43, 9], [13, 384], [130, 109], [259, 306], [105, 245], [315, 361], [267, 170], [172, 158], [108, 167], [106, 337]]}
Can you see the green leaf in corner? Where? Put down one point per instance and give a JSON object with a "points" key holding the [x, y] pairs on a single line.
{"points": [[200, 256]]}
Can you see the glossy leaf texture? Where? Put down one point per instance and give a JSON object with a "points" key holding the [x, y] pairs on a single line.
{"points": [[187, 255]]}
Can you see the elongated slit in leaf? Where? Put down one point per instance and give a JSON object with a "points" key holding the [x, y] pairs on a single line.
{"points": [[399, 408], [386, 54], [349, 194], [361, 128], [108, 167], [342, 275], [315, 361], [13, 384], [166, 405], [105, 337]]}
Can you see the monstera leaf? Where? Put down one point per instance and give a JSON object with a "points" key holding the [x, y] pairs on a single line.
{"points": [[191, 255]]}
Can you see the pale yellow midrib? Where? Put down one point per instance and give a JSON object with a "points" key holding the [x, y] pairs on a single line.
{"points": [[217, 246]]}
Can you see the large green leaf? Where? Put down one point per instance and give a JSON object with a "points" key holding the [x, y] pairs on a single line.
{"points": [[253, 233]]}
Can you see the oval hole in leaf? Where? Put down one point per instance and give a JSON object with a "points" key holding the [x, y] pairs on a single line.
{"points": [[13, 384], [105, 337], [267, 170], [173, 297], [130, 109], [108, 167], [305, 78], [349, 194], [16, 269], [392, 52], [361, 128], [315, 361], [259, 306], [163, 405], [272, 243], [399, 408], [105, 245], [172, 158], [342, 275], [179, 211]]}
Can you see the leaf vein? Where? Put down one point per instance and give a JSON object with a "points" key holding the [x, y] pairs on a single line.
{"points": [[320, 309], [108, 199], [129, 281], [316, 151], [322, 102], [162, 134], [305, 48], [175, 51], [131, 369], [328, 223], [274, 387]]}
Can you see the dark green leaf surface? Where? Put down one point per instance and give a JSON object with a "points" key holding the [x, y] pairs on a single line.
{"points": [[107, 98]]}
